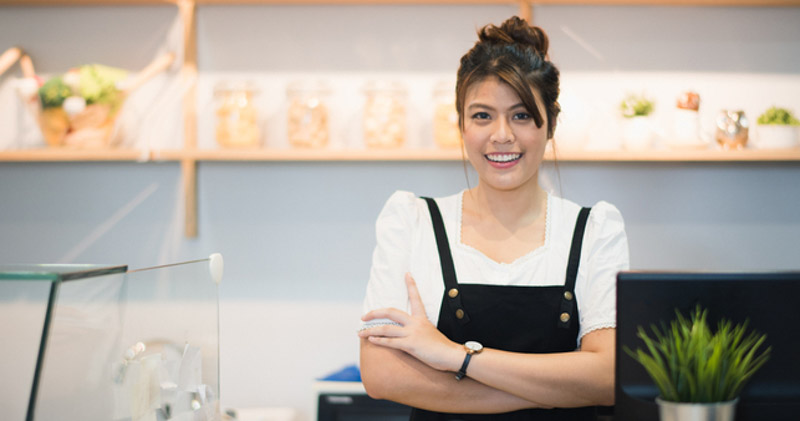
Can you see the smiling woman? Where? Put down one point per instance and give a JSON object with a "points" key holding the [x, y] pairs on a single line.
{"points": [[498, 302]]}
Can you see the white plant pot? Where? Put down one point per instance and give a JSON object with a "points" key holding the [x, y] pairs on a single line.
{"points": [[775, 136], [637, 133], [686, 130], [689, 411]]}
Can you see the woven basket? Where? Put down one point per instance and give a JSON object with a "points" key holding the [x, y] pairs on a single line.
{"points": [[93, 126]]}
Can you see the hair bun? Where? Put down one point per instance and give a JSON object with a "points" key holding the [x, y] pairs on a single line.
{"points": [[516, 31]]}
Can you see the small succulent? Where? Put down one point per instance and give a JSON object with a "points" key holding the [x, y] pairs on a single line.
{"points": [[778, 116], [636, 105]]}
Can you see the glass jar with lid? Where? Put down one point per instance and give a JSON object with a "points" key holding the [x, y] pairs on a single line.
{"points": [[307, 114], [385, 114], [446, 132], [236, 115]]}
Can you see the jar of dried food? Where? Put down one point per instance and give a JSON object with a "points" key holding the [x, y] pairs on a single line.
{"points": [[446, 132], [385, 114], [307, 114], [237, 115]]}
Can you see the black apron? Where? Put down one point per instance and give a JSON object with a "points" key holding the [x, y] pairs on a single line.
{"points": [[512, 318]]}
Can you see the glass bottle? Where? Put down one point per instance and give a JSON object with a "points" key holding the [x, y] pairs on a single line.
{"points": [[237, 115], [446, 132], [385, 114], [307, 114]]}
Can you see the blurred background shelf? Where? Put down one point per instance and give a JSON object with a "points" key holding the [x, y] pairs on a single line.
{"points": [[322, 155]]}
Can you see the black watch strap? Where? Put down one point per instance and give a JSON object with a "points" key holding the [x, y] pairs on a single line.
{"points": [[462, 372]]}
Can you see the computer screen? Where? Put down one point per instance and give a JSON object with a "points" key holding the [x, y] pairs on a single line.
{"points": [[769, 301]]}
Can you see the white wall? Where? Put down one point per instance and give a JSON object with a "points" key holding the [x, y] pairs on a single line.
{"points": [[297, 237]]}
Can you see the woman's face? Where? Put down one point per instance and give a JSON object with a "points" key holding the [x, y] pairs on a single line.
{"points": [[500, 136]]}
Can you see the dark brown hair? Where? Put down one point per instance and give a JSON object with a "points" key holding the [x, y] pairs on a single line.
{"points": [[516, 53]]}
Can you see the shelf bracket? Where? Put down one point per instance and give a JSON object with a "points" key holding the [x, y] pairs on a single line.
{"points": [[189, 78]]}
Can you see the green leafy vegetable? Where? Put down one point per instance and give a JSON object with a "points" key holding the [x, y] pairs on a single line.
{"points": [[53, 92], [98, 83]]}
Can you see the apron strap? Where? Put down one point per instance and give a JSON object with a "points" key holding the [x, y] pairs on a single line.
{"points": [[446, 260], [568, 297]]}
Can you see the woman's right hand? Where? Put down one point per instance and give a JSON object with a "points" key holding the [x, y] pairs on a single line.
{"points": [[416, 335]]}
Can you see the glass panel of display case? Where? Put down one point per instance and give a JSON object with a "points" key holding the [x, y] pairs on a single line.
{"points": [[168, 363], [117, 345], [27, 303]]}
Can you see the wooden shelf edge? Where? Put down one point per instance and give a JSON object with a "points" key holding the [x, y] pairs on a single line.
{"points": [[322, 154], [75, 155], [710, 3], [332, 155], [715, 3], [785, 155], [355, 2], [678, 155], [29, 3]]}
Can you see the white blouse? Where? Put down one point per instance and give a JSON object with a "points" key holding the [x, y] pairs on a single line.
{"points": [[406, 243]]}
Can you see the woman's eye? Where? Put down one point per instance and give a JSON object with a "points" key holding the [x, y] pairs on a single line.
{"points": [[522, 116], [480, 116]]}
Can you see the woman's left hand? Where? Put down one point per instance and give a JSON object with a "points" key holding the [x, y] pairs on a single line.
{"points": [[416, 335]]}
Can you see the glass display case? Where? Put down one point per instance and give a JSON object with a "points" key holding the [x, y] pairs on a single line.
{"points": [[94, 342]]}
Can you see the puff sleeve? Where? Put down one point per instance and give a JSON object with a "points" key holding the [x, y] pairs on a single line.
{"points": [[394, 231], [605, 253]]}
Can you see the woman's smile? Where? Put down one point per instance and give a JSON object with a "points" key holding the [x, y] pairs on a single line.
{"points": [[503, 160]]}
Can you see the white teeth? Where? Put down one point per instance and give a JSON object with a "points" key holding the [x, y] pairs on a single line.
{"points": [[505, 157]]}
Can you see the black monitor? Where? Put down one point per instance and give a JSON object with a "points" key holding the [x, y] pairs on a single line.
{"points": [[359, 407], [771, 303]]}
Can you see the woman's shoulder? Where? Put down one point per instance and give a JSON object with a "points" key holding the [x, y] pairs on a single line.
{"points": [[603, 214], [409, 207], [402, 201]]}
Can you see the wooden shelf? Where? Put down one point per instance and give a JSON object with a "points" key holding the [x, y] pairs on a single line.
{"points": [[333, 155], [720, 3], [717, 3], [86, 2], [73, 155], [686, 155]]}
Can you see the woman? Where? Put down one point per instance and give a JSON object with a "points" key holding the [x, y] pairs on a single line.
{"points": [[508, 291]]}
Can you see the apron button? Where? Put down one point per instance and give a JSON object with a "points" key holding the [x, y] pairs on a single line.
{"points": [[568, 295], [453, 293], [564, 317], [459, 314]]}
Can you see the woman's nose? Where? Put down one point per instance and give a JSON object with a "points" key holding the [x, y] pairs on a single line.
{"points": [[502, 132]]}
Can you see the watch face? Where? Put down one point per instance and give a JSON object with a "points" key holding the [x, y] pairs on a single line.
{"points": [[474, 346]]}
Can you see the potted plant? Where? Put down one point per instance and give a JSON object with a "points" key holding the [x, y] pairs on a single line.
{"points": [[777, 129], [637, 130], [697, 371]]}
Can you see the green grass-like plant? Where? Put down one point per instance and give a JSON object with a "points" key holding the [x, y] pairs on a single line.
{"points": [[690, 363]]}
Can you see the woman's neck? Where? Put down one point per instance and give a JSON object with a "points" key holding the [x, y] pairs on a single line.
{"points": [[511, 208]]}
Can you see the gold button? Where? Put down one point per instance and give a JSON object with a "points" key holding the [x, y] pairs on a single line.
{"points": [[453, 293], [564, 317], [459, 314], [568, 295]]}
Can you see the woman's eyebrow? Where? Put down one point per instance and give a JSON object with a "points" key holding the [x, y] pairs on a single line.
{"points": [[489, 107]]}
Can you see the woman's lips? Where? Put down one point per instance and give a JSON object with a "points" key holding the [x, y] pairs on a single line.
{"points": [[503, 160]]}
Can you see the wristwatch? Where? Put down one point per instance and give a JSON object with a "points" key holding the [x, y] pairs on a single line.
{"points": [[471, 347]]}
